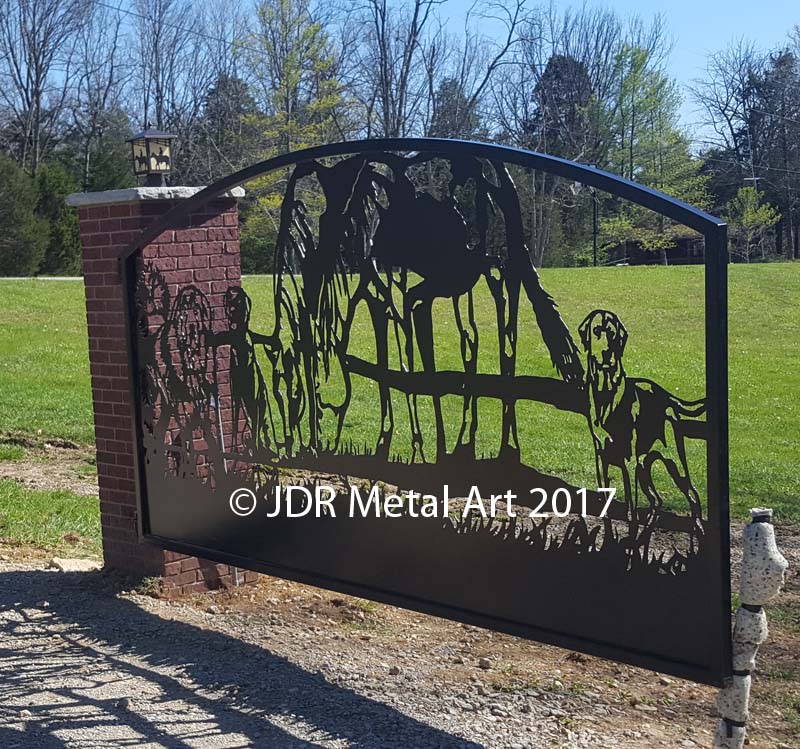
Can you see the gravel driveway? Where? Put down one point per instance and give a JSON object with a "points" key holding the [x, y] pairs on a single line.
{"points": [[86, 664]]}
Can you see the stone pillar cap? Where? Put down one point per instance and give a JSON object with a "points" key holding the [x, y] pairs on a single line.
{"points": [[141, 194]]}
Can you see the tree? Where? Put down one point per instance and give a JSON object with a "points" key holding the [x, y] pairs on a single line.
{"points": [[454, 115], [751, 101], [577, 87], [23, 234], [36, 71], [389, 77], [460, 69], [110, 162], [230, 129], [296, 76], [98, 123], [62, 256], [750, 219], [172, 72], [779, 126], [652, 149], [301, 103]]}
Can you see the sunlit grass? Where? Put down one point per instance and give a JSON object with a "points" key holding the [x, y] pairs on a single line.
{"points": [[57, 520], [44, 359]]}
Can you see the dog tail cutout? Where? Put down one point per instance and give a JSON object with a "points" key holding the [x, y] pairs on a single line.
{"points": [[563, 351]]}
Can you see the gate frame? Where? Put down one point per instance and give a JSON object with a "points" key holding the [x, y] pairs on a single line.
{"points": [[714, 232]]}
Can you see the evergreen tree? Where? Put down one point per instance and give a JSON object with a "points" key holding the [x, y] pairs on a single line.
{"points": [[230, 129], [110, 165], [62, 256], [454, 116], [23, 234]]}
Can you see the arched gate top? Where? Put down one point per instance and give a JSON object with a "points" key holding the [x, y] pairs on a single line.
{"points": [[644, 196]]}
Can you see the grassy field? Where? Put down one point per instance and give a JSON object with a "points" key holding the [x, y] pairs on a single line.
{"points": [[44, 360], [44, 373], [49, 519]]}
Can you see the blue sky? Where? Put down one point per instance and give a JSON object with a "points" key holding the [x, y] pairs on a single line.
{"points": [[697, 27]]}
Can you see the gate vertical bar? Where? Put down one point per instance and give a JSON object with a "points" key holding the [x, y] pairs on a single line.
{"points": [[716, 303]]}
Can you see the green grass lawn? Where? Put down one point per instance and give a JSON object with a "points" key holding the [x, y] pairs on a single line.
{"points": [[44, 360], [58, 520], [44, 380]]}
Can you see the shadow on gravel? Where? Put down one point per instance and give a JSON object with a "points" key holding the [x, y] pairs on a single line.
{"points": [[94, 670], [11, 739]]}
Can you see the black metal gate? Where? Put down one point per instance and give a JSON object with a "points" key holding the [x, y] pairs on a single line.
{"points": [[396, 356]]}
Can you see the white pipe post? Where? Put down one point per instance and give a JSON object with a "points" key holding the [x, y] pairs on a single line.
{"points": [[762, 576]]}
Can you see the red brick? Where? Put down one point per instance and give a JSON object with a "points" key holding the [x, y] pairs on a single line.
{"points": [[109, 292], [124, 237], [224, 261], [173, 556], [89, 227], [190, 563], [184, 578], [208, 248], [95, 240], [101, 211], [209, 274], [174, 249], [109, 224], [180, 277], [206, 219], [166, 237], [117, 211], [225, 233], [167, 263], [191, 262], [132, 223], [190, 235]]}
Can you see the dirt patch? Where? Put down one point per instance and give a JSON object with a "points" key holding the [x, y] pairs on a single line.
{"points": [[52, 466]]}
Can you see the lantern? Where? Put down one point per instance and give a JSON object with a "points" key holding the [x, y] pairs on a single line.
{"points": [[151, 154]]}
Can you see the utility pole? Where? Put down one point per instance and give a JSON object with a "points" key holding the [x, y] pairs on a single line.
{"points": [[752, 178], [593, 193]]}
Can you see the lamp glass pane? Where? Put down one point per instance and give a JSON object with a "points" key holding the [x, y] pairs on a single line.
{"points": [[160, 160], [140, 160]]}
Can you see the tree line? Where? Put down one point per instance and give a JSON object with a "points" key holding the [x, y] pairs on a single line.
{"points": [[240, 81]]}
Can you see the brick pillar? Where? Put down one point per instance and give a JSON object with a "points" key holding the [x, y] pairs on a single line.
{"points": [[204, 252]]}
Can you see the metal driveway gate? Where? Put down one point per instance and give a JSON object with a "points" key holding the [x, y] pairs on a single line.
{"points": [[408, 345]]}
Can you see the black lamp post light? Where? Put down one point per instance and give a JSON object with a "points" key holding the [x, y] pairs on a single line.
{"points": [[151, 154]]}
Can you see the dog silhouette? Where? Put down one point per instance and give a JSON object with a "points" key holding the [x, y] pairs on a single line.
{"points": [[634, 422]]}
